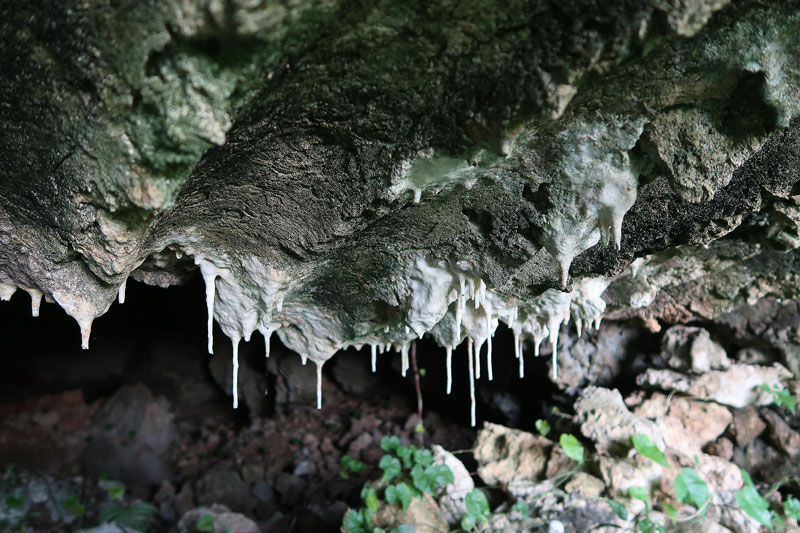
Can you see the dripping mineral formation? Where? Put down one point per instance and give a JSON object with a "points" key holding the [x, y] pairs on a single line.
{"points": [[368, 175]]}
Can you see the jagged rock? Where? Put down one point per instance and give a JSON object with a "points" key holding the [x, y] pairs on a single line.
{"points": [[223, 518], [781, 434], [686, 348], [134, 431], [737, 387], [451, 501], [620, 475], [586, 485], [747, 425], [423, 514], [510, 456], [340, 198], [607, 422], [686, 425], [225, 487]]}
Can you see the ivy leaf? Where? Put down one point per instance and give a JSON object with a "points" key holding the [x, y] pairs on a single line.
{"points": [[521, 508], [690, 488], [572, 447], [206, 522], [477, 506], [543, 427], [423, 457], [618, 508], [791, 507], [405, 455], [390, 467], [639, 493], [467, 522], [370, 497], [389, 444], [671, 511], [751, 502], [647, 448], [399, 494], [351, 465]]}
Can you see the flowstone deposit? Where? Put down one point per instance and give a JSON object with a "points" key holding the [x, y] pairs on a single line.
{"points": [[367, 175]]}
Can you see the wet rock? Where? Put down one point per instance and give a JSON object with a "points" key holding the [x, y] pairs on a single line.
{"points": [[263, 492], [689, 348], [737, 387], [291, 488], [747, 425], [134, 431], [781, 434], [451, 501], [351, 371], [294, 383], [225, 487], [606, 421], [507, 455], [222, 517], [596, 357], [184, 500], [686, 425]]}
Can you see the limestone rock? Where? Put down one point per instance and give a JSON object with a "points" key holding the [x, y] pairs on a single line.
{"points": [[451, 501], [737, 387], [607, 422], [509, 456], [692, 348], [223, 518]]}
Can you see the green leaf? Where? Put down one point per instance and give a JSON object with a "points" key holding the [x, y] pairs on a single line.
{"points": [[137, 517], [399, 494], [15, 502], [671, 511], [639, 493], [618, 508], [370, 497], [389, 444], [791, 507], [73, 506], [116, 492], [351, 465], [390, 467], [477, 506], [690, 488], [543, 427], [572, 447], [422, 480], [423, 457], [405, 454], [647, 448], [467, 523], [784, 398], [206, 523], [521, 508], [403, 528], [751, 502]]}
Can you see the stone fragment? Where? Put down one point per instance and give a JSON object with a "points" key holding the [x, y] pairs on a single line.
{"points": [[606, 421], [747, 425], [506, 456], [225, 487], [737, 386], [451, 500], [223, 519], [134, 431], [586, 485], [686, 425], [781, 434], [689, 348]]}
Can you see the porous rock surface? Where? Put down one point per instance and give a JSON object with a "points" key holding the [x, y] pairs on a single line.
{"points": [[346, 175]]}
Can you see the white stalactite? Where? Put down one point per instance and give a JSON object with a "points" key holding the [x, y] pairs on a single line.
{"points": [[470, 364], [374, 351], [449, 363], [319, 384], [121, 293], [36, 300], [235, 362]]}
